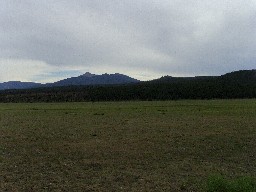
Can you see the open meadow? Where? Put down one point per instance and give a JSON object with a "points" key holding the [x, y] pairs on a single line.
{"points": [[125, 146]]}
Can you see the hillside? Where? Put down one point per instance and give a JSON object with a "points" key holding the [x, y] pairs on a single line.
{"points": [[245, 76], [248, 76], [241, 84]]}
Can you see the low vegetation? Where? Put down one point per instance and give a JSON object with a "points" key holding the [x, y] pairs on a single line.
{"points": [[218, 183], [127, 146]]}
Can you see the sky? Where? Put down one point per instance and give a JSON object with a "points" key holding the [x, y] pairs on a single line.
{"points": [[45, 41]]}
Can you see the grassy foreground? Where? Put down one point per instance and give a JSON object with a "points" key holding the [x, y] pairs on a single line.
{"points": [[125, 146]]}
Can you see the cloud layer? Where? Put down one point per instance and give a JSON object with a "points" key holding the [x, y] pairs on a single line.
{"points": [[141, 38]]}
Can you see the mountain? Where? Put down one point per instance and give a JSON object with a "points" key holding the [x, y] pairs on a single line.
{"points": [[92, 79], [238, 77], [18, 85], [234, 85], [85, 79]]}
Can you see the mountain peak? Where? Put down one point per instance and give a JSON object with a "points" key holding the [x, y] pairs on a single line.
{"points": [[88, 74], [92, 79]]}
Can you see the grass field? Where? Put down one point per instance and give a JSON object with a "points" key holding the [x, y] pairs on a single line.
{"points": [[125, 146]]}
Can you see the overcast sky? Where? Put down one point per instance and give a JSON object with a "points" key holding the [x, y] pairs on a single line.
{"points": [[47, 40]]}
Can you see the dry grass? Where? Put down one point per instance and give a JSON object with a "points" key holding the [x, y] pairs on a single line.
{"points": [[125, 146]]}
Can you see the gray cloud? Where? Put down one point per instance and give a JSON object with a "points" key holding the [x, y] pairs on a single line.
{"points": [[160, 37]]}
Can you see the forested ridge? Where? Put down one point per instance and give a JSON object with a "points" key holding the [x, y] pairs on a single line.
{"points": [[239, 84]]}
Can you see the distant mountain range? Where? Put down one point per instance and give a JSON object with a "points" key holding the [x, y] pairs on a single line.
{"points": [[234, 85], [85, 79], [243, 76], [18, 85]]}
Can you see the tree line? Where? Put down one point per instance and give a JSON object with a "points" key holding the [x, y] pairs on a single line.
{"points": [[161, 89]]}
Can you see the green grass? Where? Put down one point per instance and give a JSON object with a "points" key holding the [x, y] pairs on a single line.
{"points": [[125, 146], [218, 183]]}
